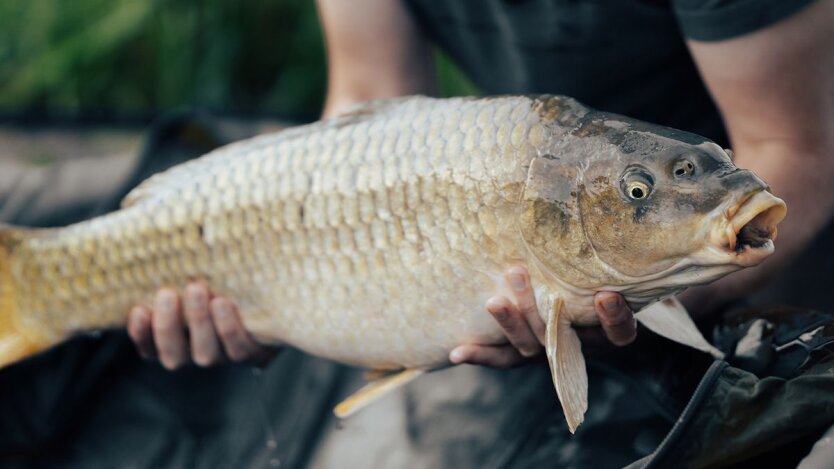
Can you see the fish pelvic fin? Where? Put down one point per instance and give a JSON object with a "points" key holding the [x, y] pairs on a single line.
{"points": [[376, 389], [567, 365], [16, 343], [670, 319]]}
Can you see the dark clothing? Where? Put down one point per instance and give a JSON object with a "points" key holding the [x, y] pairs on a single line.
{"points": [[622, 56]]}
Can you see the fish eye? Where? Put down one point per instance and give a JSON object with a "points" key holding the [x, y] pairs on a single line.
{"points": [[637, 190], [636, 183], [683, 168]]}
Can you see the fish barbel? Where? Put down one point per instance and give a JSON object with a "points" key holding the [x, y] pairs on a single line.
{"points": [[375, 238]]}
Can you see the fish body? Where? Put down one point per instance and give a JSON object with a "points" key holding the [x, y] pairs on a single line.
{"points": [[375, 238]]}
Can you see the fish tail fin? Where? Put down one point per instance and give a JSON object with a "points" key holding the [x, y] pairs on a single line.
{"points": [[15, 343]]}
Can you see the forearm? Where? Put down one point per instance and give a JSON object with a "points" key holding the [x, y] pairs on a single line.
{"points": [[775, 89], [374, 50]]}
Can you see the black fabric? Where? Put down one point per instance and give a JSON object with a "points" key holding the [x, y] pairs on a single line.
{"points": [[94, 403], [770, 418], [624, 56], [714, 20]]}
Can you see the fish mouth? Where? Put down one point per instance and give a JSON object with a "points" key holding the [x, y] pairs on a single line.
{"points": [[751, 227]]}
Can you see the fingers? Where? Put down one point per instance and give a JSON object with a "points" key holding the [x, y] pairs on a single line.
{"points": [[515, 325], [200, 328], [169, 331], [495, 356], [616, 318], [205, 346], [139, 330], [519, 280], [520, 322], [237, 343]]}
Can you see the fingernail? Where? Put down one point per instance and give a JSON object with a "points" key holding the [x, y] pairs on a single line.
{"points": [[222, 309], [457, 356], [166, 301], [527, 353], [136, 320], [517, 281], [611, 305], [196, 299]]}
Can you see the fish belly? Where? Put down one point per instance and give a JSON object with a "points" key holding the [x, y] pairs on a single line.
{"points": [[372, 238]]}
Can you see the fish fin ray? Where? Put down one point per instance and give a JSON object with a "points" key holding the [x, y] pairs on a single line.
{"points": [[375, 390], [15, 345], [368, 109], [376, 375], [139, 193], [567, 366], [670, 319]]}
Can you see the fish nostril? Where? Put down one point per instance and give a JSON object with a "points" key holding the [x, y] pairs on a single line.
{"points": [[683, 168]]}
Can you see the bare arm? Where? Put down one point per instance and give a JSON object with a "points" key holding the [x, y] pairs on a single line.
{"points": [[775, 90], [374, 50]]}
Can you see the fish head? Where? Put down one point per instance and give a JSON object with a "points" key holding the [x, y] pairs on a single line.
{"points": [[632, 206]]}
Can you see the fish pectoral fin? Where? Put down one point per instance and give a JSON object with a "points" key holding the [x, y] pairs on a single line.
{"points": [[376, 375], [376, 389], [567, 366], [670, 319]]}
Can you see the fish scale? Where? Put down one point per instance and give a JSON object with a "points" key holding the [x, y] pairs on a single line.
{"points": [[354, 223]]}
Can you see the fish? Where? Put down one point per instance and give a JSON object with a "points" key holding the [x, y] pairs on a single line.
{"points": [[375, 238]]}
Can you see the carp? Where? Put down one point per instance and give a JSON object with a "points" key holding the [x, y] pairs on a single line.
{"points": [[374, 238]]}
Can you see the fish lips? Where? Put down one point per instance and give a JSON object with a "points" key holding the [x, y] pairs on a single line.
{"points": [[748, 228]]}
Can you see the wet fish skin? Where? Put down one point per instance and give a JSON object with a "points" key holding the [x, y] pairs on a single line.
{"points": [[373, 238]]}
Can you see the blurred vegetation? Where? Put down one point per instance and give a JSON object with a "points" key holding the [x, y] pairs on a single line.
{"points": [[126, 58]]}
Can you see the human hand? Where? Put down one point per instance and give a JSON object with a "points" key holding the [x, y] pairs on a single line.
{"points": [[196, 327], [525, 329]]}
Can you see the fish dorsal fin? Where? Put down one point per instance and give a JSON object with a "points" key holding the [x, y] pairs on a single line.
{"points": [[364, 110], [142, 191], [376, 389], [567, 365], [670, 319]]}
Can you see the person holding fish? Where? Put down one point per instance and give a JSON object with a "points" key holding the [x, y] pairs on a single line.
{"points": [[769, 132], [766, 73], [753, 82]]}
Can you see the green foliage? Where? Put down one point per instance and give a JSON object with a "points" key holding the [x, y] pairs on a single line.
{"points": [[451, 80], [135, 57]]}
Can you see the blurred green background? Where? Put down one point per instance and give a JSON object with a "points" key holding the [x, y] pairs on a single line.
{"points": [[135, 58]]}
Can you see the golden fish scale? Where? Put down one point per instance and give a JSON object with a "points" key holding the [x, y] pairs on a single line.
{"points": [[372, 238]]}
